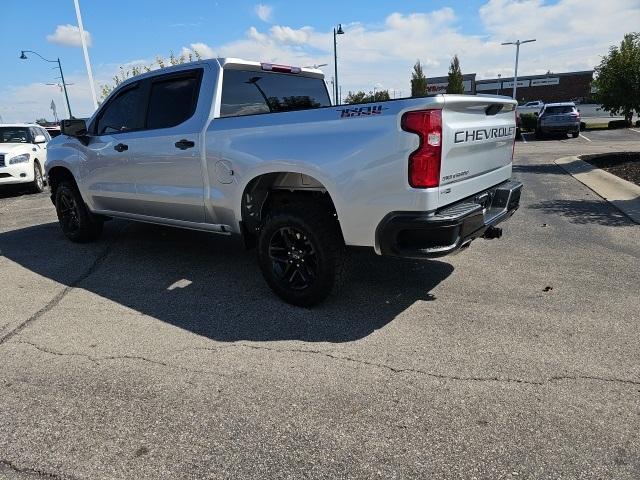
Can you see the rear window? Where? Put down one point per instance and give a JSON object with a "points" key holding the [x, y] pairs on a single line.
{"points": [[557, 110], [255, 92]]}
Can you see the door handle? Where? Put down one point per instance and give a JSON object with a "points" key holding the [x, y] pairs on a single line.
{"points": [[121, 147], [184, 144]]}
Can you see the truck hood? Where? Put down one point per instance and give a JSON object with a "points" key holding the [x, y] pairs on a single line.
{"points": [[13, 148]]}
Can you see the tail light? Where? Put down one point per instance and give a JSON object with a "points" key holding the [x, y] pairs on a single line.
{"points": [[424, 163]]}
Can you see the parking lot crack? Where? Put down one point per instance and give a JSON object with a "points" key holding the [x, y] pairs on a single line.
{"points": [[441, 375], [32, 472], [100, 360], [51, 304]]}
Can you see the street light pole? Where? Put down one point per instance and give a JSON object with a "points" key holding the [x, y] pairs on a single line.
{"points": [[336, 91], [64, 85], [83, 39], [517, 43]]}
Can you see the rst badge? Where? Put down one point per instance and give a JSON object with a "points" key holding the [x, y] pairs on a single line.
{"points": [[360, 111]]}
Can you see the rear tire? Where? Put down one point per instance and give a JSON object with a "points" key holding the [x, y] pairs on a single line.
{"points": [[539, 134], [302, 254], [77, 222], [37, 186], [575, 134]]}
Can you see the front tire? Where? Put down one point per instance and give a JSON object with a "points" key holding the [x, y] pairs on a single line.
{"points": [[37, 186], [301, 254], [77, 222], [575, 134]]}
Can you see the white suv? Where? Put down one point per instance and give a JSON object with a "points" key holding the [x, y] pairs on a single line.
{"points": [[23, 151]]}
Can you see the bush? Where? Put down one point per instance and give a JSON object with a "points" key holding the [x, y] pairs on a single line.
{"points": [[617, 124], [528, 122]]}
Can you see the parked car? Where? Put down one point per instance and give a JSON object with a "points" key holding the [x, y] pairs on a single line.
{"points": [[23, 153], [530, 107], [53, 131], [257, 150], [537, 104], [559, 118]]}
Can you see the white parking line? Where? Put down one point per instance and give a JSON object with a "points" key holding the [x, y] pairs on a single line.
{"points": [[524, 137], [585, 138], [637, 131]]}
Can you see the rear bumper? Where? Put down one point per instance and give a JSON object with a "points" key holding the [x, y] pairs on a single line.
{"points": [[439, 233], [560, 128]]}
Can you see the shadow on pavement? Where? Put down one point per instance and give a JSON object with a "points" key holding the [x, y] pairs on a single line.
{"points": [[548, 168], [585, 212], [210, 286], [9, 191]]}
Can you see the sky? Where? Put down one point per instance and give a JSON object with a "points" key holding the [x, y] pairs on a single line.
{"points": [[382, 40]]}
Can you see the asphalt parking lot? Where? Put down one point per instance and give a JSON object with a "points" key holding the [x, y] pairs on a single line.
{"points": [[161, 353]]}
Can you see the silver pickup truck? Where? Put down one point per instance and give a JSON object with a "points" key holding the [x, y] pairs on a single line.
{"points": [[257, 150]]}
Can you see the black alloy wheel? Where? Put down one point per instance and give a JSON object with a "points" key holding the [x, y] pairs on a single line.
{"points": [[302, 254], [76, 221], [293, 258]]}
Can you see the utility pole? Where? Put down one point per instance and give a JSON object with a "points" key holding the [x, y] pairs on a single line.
{"points": [[517, 43]]}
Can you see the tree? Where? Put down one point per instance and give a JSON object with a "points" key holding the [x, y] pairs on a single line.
{"points": [[362, 97], [356, 97], [160, 62], [454, 78], [618, 78], [419, 87]]}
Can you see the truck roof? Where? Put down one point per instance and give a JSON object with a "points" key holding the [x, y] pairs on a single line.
{"points": [[19, 125], [240, 64]]}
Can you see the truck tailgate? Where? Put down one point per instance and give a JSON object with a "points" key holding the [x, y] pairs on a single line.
{"points": [[478, 135]]}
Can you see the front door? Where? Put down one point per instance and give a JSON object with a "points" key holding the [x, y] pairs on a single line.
{"points": [[106, 178]]}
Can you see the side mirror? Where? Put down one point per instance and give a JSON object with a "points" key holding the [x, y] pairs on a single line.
{"points": [[74, 127], [39, 139]]}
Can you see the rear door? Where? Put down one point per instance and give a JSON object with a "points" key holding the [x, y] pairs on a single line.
{"points": [[165, 160], [478, 135]]}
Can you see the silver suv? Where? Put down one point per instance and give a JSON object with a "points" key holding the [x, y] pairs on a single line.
{"points": [[559, 118]]}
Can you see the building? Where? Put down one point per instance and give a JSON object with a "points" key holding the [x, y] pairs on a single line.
{"points": [[551, 87]]}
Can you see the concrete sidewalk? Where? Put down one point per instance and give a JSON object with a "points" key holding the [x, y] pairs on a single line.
{"points": [[622, 194]]}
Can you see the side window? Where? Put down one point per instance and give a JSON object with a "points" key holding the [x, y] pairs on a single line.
{"points": [[172, 100], [32, 133], [123, 113]]}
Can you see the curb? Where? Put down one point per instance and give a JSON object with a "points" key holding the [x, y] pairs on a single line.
{"points": [[624, 195]]}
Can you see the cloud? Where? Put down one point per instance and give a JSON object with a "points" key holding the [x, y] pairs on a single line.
{"points": [[568, 38], [264, 12], [69, 35], [204, 50], [290, 35]]}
